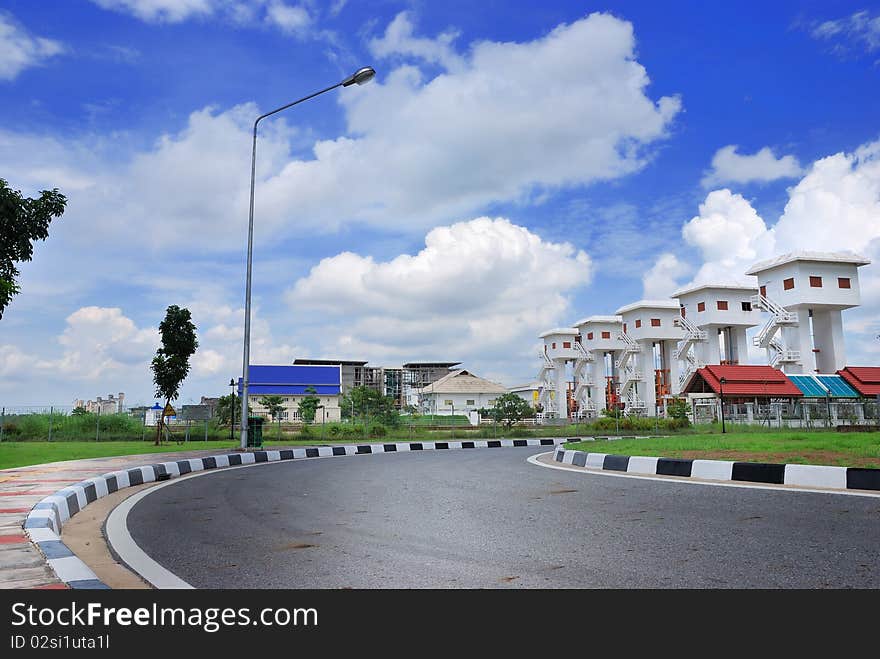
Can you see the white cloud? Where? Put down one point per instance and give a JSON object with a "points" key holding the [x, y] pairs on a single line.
{"points": [[860, 28], [728, 166], [399, 40], [730, 236], [479, 290], [834, 207], [165, 11], [291, 19], [664, 276], [20, 50]]}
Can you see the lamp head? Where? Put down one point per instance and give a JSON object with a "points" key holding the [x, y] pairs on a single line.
{"points": [[723, 380], [360, 77]]}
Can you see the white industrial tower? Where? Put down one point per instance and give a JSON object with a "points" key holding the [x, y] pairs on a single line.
{"points": [[714, 318], [805, 293], [559, 349], [596, 384], [649, 368]]}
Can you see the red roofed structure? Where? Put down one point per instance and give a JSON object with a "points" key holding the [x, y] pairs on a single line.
{"points": [[743, 382], [864, 379]]}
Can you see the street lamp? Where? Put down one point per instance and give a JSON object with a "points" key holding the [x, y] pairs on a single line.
{"points": [[722, 382], [232, 405], [359, 77]]}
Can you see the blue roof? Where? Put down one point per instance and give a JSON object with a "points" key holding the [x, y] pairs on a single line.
{"points": [[819, 386], [808, 386], [293, 380], [838, 386]]}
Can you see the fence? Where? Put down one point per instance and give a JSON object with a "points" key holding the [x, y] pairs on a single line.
{"points": [[805, 413], [59, 423]]}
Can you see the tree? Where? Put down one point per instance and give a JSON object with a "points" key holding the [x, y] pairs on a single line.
{"points": [[22, 221], [367, 403], [510, 408], [79, 411], [171, 363], [308, 406], [275, 406], [229, 407], [677, 408]]}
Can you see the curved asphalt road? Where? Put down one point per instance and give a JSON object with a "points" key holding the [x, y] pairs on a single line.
{"points": [[488, 519]]}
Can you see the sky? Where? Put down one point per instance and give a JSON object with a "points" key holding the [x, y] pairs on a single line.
{"points": [[513, 167]]}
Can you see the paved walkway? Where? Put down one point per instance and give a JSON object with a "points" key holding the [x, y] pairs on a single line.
{"points": [[21, 564]]}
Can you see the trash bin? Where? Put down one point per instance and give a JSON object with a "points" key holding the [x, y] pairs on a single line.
{"points": [[255, 432]]}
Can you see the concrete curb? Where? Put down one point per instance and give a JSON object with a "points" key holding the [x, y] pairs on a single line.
{"points": [[840, 478], [44, 522]]}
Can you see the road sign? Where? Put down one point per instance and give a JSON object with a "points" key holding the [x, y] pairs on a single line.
{"points": [[195, 413], [169, 411]]}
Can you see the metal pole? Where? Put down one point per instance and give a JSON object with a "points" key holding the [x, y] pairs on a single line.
{"points": [[2, 422], [51, 409], [97, 424], [250, 252], [206, 430], [721, 388]]}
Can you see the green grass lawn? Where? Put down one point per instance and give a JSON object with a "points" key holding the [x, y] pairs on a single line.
{"points": [[856, 449]]}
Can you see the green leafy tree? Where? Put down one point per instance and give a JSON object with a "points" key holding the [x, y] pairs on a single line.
{"points": [[79, 411], [510, 409], [677, 408], [308, 406], [171, 363], [275, 405], [366, 403], [22, 221], [229, 408]]}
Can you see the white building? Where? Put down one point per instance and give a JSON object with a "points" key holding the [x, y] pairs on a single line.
{"points": [[714, 319], [648, 365], [109, 405], [561, 347], [805, 293], [528, 392], [596, 386], [460, 392]]}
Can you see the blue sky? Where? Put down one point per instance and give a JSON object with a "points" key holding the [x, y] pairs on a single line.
{"points": [[514, 166]]}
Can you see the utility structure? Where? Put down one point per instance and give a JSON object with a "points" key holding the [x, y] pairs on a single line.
{"points": [[558, 351], [805, 294], [648, 365], [596, 383], [714, 319]]}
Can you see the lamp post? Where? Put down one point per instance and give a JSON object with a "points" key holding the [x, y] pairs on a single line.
{"points": [[232, 406], [359, 77], [722, 382]]}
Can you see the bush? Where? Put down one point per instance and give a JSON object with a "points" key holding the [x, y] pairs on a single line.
{"points": [[378, 430]]}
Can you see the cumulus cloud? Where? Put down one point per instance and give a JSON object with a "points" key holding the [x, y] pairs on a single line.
{"points": [[399, 40], [664, 276], [728, 166], [20, 50], [291, 19], [834, 207], [478, 289], [730, 236], [165, 11]]}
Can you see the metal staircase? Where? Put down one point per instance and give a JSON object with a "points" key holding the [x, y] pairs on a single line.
{"points": [[777, 352], [547, 380], [692, 335], [630, 372], [582, 378]]}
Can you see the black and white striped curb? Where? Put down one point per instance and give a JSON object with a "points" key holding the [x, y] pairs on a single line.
{"points": [[43, 523], [840, 478]]}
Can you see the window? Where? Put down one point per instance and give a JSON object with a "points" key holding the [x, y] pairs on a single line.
{"points": [[683, 312], [701, 306], [566, 344], [655, 322], [747, 306], [491, 402], [843, 282], [815, 282], [722, 305], [553, 345], [577, 339], [788, 284], [589, 336], [624, 329], [638, 323], [470, 402], [447, 402], [607, 335], [763, 290]]}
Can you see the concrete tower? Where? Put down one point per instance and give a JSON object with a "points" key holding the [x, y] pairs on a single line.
{"points": [[596, 386], [805, 293], [559, 349], [648, 364], [714, 318]]}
